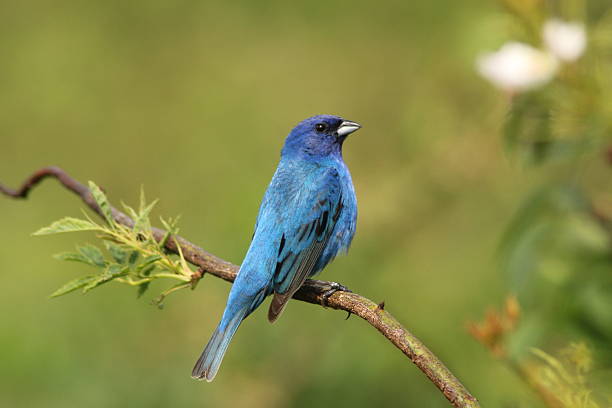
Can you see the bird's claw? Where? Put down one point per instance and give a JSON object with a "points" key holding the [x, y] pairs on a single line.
{"points": [[333, 288]]}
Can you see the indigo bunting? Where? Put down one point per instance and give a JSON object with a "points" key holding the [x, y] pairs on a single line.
{"points": [[307, 216]]}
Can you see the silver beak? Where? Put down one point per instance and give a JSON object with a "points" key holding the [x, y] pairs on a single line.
{"points": [[347, 127]]}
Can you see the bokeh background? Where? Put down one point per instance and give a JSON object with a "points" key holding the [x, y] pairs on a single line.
{"points": [[192, 100]]}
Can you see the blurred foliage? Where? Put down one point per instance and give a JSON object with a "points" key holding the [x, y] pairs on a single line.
{"points": [[557, 251], [564, 380], [192, 99]]}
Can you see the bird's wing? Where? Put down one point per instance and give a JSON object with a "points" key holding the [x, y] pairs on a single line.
{"points": [[303, 242]]}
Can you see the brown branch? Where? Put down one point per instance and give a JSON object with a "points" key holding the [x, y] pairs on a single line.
{"points": [[312, 292]]}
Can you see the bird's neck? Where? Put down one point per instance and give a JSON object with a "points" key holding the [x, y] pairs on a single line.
{"points": [[314, 152], [312, 159]]}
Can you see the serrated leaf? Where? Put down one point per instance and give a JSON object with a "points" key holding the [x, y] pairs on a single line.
{"points": [[74, 257], [73, 285], [71, 256], [171, 229], [68, 224], [171, 224], [112, 272], [142, 222], [93, 283], [129, 210], [119, 254], [102, 202], [93, 254], [143, 200]]}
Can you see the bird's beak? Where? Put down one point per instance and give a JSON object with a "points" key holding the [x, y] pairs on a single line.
{"points": [[347, 127]]}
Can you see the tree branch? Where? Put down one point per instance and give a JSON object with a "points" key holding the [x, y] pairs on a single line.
{"points": [[312, 291]]}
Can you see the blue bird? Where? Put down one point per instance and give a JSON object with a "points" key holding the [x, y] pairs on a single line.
{"points": [[308, 215]]}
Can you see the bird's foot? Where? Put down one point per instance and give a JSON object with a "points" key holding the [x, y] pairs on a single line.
{"points": [[333, 288]]}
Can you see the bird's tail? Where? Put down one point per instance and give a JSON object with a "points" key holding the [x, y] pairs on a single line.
{"points": [[208, 364]]}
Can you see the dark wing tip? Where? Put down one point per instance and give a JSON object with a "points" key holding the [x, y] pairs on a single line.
{"points": [[279, 301]]}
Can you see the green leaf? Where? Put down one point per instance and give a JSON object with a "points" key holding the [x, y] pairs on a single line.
{"points": [[102, 202], [68, 224], [146, 271], [171, 229], [141, 221], [93, 254], [129, 210], [72, 256], [73, 285], [75, 257], [99, 279], [133, 257], [142, 289], [112, 272], [118, 253], [171, 224], [148, 261]]}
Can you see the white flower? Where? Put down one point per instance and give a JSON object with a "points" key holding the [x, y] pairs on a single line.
{"points": [[517, 67], [567, 41]]}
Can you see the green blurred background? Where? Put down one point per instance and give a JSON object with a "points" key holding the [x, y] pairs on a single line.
{"points": [[192, 100]]}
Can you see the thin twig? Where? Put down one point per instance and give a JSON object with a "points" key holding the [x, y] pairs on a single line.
{"points": [[312, 291]]}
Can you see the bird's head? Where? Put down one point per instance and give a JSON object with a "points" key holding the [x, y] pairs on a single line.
{"points": [[320, 135]]}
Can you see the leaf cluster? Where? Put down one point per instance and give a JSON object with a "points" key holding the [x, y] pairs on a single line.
{"points": [[557, 249], [131, 255], [556, 252]]}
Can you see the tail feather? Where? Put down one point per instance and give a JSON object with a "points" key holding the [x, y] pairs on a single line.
{"points": [[208, 364]]}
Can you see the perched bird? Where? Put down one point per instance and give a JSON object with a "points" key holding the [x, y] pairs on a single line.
{"points": [[307, 216]]}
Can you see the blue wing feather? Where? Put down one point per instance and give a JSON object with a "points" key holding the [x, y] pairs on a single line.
{"points": [[302, 246]]}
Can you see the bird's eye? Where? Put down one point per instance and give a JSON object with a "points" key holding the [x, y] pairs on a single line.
{"points": [[321, 127]]}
